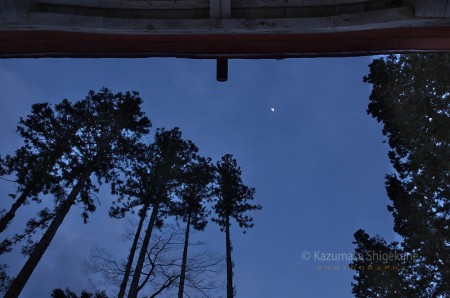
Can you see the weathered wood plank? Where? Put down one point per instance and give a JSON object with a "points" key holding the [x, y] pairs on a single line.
{"points": [[214, 9], [220, 9], [124, 13], [39, 44], [123, 4], [7, 11], [430, 8], [447, 9], [225, 9], [391, 18], [12, 11], [295, 3], [296, 12], [194, 4]]}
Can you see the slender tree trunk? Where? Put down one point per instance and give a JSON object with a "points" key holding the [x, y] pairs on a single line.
{"points": [[22, 278], [12, 212], [123, 285], [140, 263], [184, 261], [229, 248]]}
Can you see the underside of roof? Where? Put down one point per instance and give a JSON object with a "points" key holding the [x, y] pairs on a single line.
{"points": [[221, 28]]}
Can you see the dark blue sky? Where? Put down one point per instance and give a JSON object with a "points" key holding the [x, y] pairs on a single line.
{"points": [[317, 163]]}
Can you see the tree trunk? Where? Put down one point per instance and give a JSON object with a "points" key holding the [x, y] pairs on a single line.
{"points": [[184, 261], [123, 285], [22, 278], [12, 212], [140, 263], [229, 248]]}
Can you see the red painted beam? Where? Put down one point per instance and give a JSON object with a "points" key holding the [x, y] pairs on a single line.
{"points": [[354, 43]]}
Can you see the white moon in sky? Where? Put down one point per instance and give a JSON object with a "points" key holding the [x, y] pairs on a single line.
{"points": [[272, 109]]}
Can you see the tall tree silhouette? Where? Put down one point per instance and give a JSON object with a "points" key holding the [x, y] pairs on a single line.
{"points": [[152, 183], [411, 97], [193, 193], [134, 192], [47, 134], [233, 199], [111, 124]]}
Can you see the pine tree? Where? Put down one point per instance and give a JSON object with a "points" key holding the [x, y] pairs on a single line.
{"points": [[232, 202], [193, 192], [152, 183], [47, 134], [110, 125], [132, 194]]}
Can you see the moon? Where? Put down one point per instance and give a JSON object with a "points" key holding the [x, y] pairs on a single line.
{"points": [[272, 109]]}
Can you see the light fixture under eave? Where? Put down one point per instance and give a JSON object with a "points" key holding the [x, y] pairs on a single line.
{"points": [[222, 70]]}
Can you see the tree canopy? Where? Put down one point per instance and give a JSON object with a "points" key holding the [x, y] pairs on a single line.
{"points": [[107, 124], [411, 98], [232, 201]]}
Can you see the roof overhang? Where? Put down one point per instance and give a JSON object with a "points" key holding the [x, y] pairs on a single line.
{"points": [[221, 28]]}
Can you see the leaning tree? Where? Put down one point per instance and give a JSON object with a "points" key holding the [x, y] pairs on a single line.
{"points": [[111, 124], [47, 134]]}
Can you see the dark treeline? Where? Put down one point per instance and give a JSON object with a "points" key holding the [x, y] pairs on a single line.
{"points": [[411, 98], [70, 149]]}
